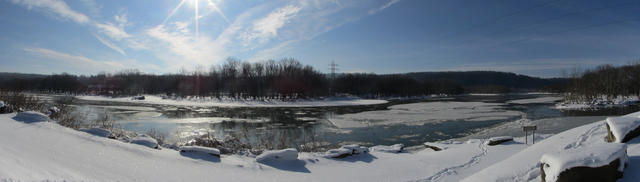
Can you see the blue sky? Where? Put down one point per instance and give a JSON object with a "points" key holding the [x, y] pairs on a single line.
{"points": [[535, 37]]}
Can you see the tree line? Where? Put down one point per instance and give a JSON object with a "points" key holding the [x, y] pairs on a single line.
{"points": [[283, 79], [604, 80]]}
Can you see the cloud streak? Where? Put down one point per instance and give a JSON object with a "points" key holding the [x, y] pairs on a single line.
{"points": [[110, 44], [57, 7], [267, 27]]}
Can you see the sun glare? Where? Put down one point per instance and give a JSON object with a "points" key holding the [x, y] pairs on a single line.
{"points": [[211, 7]]}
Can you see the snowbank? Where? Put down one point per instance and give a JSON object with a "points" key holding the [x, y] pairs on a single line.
{"points": [[621, 127], [215, 102], [31, 117], [389, 149], [99, 132], [281, 155], [597, 155], [145, 140], [199, 149]]}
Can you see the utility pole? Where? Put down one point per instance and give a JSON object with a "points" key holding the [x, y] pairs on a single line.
{"points": [[333, 67]]}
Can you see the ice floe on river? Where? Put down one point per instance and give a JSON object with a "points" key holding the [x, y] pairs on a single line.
{"points": [[215, 102], [425, 112]]}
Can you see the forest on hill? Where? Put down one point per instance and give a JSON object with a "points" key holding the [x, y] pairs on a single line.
{"points": [[284, 79]]}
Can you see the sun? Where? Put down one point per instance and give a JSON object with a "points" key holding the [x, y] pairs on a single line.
{"points": [[212, 7]]}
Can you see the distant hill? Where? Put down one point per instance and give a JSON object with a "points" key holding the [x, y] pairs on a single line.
{"points": [[483, 78], [5, 76]]}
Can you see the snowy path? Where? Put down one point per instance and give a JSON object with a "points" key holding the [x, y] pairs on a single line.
{"points": [[454, 169]]}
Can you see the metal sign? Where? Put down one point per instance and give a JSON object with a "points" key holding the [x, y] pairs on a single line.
{"points": [[529, 128]]}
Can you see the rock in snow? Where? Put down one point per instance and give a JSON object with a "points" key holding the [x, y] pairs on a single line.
{"points": [[390, 149], [622, 129], [338, 153], [434, 146], [99, 132], [498, 140], [346, 150], [199, 149], [31, 117], [598, 162], [356, 149], [285, 154], [145, 140]]}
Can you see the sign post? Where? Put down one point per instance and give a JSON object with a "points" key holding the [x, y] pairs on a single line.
{"points": [[526, 130]]}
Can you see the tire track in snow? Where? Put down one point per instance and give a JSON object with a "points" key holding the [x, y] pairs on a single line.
{"points": [[453, 170]]}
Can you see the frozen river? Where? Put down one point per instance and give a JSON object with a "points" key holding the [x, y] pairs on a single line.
{"points": [[410, 122]]}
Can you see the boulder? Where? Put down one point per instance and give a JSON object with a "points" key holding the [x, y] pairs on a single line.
{"points": [[346, 150], [498, 140], [338, 153], [31, 117], [622, 129], [434, 146], [278, 155], [599, 162], [145, 140], [356, 149], [101, 132], [199, 149], [397, 148]]}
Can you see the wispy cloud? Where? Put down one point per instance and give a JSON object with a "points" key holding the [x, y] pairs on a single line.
{"points": [[185, 50], [385, 6], [73, 59], [110, 44], [114, 31], [56, 7], [268, 27], [89, 65]]}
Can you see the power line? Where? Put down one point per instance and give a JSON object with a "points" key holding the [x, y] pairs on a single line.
{"points": [[333, 67]]}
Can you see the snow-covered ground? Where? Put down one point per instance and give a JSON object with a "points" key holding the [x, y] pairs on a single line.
{"points": [[524, 165], [214, 102], [47, 151], [425, 112], [602, 102], [36, 151], [536, 100]]}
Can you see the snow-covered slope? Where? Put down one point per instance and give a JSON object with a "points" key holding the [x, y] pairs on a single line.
{"points": [[36, 151], [48, 151], [524, 166]]}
